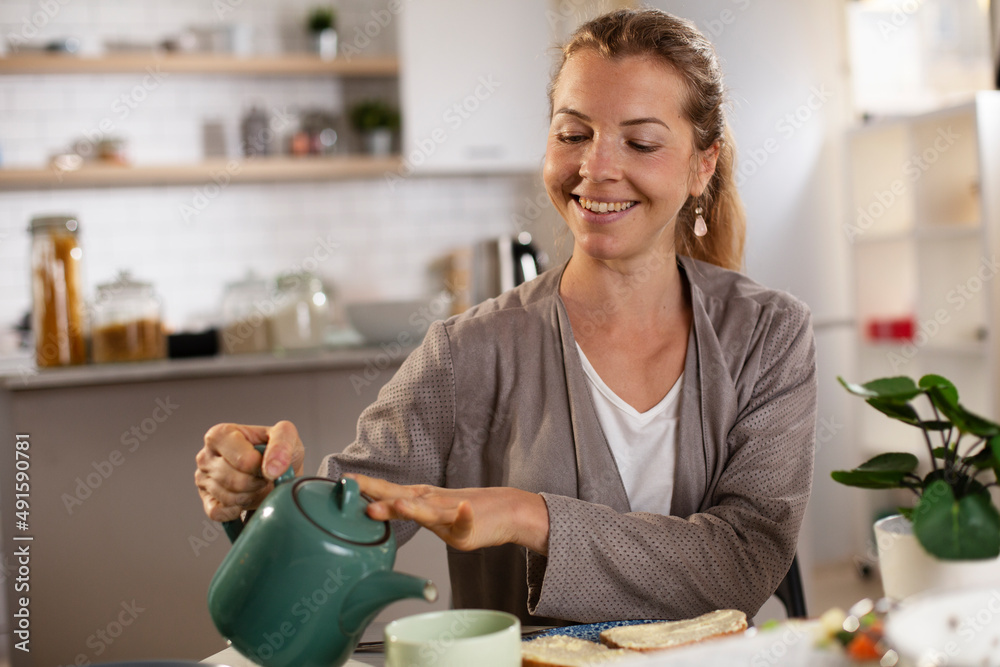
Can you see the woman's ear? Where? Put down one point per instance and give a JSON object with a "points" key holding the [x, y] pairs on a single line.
{"points": [[704, 168]]}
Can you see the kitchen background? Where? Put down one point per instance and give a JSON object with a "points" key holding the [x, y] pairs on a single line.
{"points": [[801, 76], [385, 240]]}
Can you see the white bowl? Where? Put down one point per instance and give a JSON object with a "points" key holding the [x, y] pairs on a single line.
{"points": [[403, 322], [959, 627]]}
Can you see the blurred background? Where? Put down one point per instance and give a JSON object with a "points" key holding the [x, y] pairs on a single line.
{"points": [[261, 205]]}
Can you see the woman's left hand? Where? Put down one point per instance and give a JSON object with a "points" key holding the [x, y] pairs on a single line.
{"points": [[466, 519]]}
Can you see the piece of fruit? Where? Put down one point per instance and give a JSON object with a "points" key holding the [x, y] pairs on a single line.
{"points": [[863, 647]]}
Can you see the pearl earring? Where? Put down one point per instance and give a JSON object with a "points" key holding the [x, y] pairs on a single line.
{"points": [[700, 228]]}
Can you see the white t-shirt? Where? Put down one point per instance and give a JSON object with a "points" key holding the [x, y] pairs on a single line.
{"points": [[643, 443]]}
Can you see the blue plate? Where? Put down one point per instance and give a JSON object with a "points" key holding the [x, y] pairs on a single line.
{"points": [[591, 631]]}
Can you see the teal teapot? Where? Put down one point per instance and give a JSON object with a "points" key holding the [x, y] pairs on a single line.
{"points": [[306, 575]]}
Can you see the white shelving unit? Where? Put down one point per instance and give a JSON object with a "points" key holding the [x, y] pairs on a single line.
{"points": [[924, 222]]}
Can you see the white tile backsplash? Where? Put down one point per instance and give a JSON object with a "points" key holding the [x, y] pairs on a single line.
{"points": [[382, 245]]}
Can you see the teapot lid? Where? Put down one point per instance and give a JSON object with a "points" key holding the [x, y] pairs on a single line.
{"points": [[338, 508]]}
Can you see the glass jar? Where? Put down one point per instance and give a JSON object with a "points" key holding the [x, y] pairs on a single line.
{"points": [[303, 312], [247, 306], [127, 324], [57, 301]]}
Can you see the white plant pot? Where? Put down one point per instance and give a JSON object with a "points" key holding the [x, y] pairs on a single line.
{"points": [[325, 44], [379, 142], [908, 569]]}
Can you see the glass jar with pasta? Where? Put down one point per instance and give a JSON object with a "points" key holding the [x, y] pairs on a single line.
{"points": [[58, 318]]}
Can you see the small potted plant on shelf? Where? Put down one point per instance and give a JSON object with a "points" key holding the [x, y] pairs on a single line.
{"points": [[376, 120], [951, 535], [322, 25]]}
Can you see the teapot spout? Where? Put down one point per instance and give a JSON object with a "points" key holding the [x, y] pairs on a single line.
{"points": [[376, 591]]}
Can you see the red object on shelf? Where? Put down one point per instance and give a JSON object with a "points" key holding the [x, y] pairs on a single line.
{"points": [[892, 329]]}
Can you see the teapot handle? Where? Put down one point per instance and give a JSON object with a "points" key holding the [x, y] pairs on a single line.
{"points": [[235, 527]]}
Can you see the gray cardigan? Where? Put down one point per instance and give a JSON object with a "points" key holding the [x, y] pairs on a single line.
{"points": [[497, 396]]}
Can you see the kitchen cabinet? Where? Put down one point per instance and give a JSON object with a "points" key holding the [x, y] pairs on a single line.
{"points": [[473, 100], [244, 170], [923, 211], [122, 554]]}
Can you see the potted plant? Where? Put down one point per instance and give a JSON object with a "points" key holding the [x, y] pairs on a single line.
{"points": [[376, 120], [322, 25], [954, 523]]}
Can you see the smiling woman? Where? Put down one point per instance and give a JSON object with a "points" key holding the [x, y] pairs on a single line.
{"points": [[628, 436]]}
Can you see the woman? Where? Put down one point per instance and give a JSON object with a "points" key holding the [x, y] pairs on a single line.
{"points": [[629, 435]]}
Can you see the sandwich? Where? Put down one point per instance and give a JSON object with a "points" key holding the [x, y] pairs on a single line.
{"points": [[563, 651], [622, 642], [669, 634]]}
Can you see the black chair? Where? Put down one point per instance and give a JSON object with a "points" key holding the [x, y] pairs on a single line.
{"points": [[790, 592]]}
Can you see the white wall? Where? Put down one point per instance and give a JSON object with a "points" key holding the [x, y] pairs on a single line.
{"points": [[785, 65]]}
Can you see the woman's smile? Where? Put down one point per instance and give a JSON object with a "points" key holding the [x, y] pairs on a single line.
{"points": [[603, 211]]}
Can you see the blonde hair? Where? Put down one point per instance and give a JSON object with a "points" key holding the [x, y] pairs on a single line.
{"points": [[678, 43]]}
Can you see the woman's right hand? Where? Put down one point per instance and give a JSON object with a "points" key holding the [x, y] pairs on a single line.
{"points": [[232, 476]]}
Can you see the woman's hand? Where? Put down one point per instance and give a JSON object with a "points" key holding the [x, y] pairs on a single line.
{"points": [[232, 476], [466, 519]]}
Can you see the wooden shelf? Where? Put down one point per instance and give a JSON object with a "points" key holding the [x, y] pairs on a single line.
{"points": [[292, 64], [258, 170]]}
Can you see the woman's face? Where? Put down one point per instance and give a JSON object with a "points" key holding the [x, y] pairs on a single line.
{"points": [[620, 160]]}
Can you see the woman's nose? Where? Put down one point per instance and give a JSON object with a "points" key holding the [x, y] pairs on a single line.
{"points": [[600, 162]]}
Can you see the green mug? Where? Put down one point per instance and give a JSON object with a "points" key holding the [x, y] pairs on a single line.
{"points": [[454, 638]]}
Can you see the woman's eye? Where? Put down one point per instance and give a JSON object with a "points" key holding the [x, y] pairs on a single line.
{"points": [[644, 148], [571, 138]]}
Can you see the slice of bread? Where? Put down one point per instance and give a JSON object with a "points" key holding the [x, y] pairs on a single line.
{"points": [[562, 651], [668, 634]]}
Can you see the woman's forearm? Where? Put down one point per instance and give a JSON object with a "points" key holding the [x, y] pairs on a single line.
{"points": [[531, 519]]}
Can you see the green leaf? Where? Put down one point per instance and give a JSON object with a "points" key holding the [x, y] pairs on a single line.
{"points": [[885, 471], [862, 479], [948, 475], [976, 487], [994, 444], [941, 452], [981, 460], [948, 390], [907, 513], [964, 421], [891, 462], [952, 529], [900, 389], [903, 412]]}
